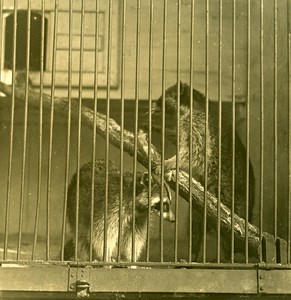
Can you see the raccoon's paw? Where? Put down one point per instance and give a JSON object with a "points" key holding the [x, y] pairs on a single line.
{"points": [[168, 174], [158, 169]]}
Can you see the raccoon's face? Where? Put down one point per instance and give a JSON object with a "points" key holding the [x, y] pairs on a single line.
{"points": [[171, 96], [170, 105], [156, 204]]}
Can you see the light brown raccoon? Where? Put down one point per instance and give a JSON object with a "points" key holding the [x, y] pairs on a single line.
{"points": [[141, 211]]}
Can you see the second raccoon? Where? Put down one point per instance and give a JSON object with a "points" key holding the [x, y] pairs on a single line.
{"points": [[113, 208]]}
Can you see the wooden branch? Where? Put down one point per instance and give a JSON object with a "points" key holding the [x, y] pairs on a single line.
{"points": [[61, 105], [225, 214]]}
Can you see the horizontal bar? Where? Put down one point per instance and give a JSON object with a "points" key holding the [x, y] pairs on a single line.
{"points": [[198, 280], [174, 281], [55, 278]]}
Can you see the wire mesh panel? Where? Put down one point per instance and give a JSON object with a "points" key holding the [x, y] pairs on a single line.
{"points": [[145, 134]]}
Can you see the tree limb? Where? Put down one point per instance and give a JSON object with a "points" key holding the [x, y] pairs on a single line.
{"points": [[104, 123]]}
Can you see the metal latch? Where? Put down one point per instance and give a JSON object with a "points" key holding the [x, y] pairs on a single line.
{"points": [[82, 288], [79, 281]]}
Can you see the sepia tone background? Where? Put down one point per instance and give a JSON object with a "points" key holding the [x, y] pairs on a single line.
{"points": [[139, 89]]}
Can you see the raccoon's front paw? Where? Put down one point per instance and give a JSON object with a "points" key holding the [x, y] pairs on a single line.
{"points": [[158, 169], [168, 174]]}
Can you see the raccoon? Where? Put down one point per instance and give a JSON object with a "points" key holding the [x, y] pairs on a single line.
{"points": [[141, 211], [199, 151]]}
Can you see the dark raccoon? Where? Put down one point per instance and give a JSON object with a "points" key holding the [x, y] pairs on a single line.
{"points": [[198, 155], [141, 211]]}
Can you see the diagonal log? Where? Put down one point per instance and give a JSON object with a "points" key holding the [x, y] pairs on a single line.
{"points": [[61, 106]]}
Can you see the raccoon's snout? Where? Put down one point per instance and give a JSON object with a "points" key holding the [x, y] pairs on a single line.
{"points": [[167, 211]]}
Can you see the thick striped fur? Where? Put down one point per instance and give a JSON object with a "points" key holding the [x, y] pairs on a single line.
{"points": [[199, 151], [113, 208]]}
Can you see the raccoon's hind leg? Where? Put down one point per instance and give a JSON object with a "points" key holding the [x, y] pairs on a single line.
{"points": [[69, 250]]}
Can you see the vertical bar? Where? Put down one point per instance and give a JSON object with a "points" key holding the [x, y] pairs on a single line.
{"points": [[67, 166], [24, 149], [248, 129], [275, 119], [39, 181], [150, 126], [108, 81], [206, 126], [2, 39], [163, 125], [191, 131], [289, 144], [80, 91], [289, 138], [94, 130], [11, 144], [137, 63], [123, 49], [219, 129], [233, 128], [178, 128], [261, 118], [51, 130]]}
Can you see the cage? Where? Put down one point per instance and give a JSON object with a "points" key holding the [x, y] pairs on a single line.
{"points": [[139, 113]]}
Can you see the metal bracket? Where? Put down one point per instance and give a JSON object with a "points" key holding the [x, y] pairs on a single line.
{"points": [[79, 281], [261, 279]]}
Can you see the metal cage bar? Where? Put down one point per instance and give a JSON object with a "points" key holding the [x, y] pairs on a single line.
{"points": [[206, 127], [248, 129], [79, 130], [190, 207], [137, 71], [233, 77], [289, 137], [69, 120], [275, 119], [40, 148], [1, 22], [218, 245], [123, 49], [289, 152], [150, 64], [25, 129], [108, 82], [178, 129], [94, 136], [261, 118], [164, 69], [49, 176], [11, 144]]}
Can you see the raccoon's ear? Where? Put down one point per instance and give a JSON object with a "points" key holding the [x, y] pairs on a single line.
{"points": [[144, 180]]}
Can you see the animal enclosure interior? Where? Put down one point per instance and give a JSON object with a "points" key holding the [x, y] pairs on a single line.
{"points": [[90, 89]]}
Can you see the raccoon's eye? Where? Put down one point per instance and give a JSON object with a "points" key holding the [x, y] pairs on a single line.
{"points": [[165, 206]]}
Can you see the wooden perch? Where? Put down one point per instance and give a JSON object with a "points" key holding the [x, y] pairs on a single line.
{"points": [[61, 106]]}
